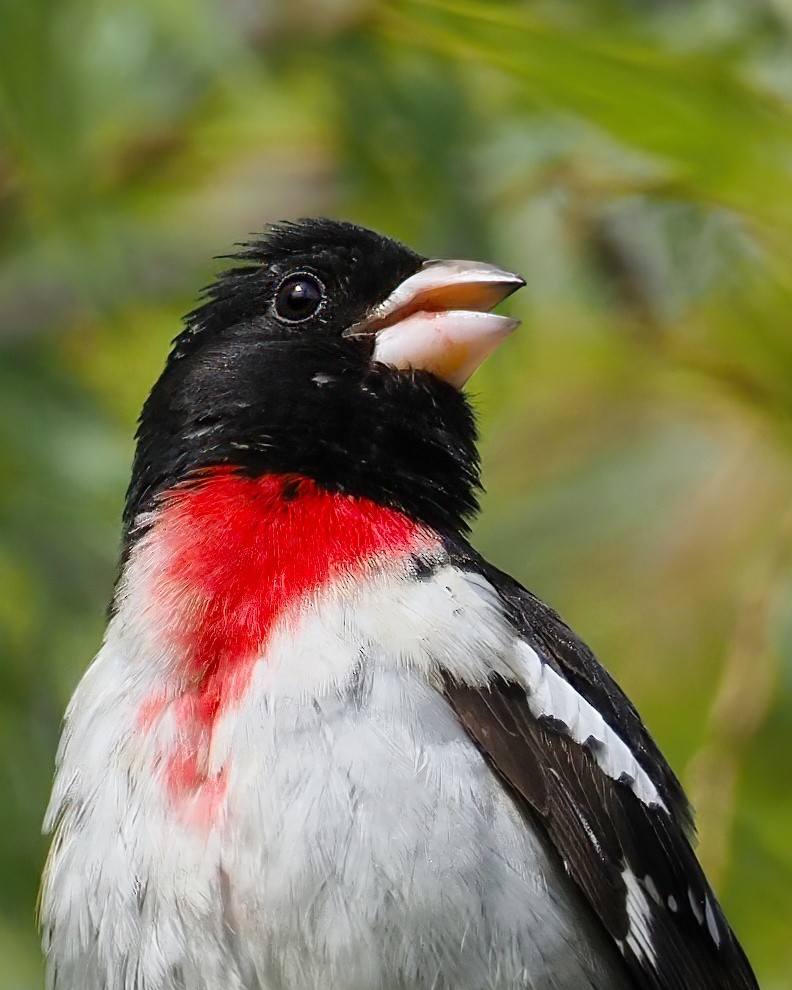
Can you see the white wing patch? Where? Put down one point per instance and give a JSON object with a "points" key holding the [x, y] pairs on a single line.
{"points": [[639, 914], [550, 696], [705, 915], [712, 924]]}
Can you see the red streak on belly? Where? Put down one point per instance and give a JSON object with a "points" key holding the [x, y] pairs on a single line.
{"points": [[240, 552]]}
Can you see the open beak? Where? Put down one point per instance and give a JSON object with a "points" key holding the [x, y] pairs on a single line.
{"points": [[438, 319]]}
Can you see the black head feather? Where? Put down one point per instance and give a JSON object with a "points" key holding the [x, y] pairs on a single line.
{"points": [[244, 386]]}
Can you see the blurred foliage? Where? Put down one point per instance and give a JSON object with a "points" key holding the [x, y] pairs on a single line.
{"points": [[633, 158]]}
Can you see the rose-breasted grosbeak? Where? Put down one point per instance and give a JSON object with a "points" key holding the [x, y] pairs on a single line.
{"points": [[326, 745]]}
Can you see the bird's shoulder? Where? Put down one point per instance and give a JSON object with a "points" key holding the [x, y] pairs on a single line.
{"points": [[574, 752]]}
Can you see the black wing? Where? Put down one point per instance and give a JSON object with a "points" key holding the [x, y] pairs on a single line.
{"points": [[632, 858]]}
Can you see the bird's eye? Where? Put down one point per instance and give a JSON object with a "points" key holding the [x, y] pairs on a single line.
{"points": [[298, 297]]}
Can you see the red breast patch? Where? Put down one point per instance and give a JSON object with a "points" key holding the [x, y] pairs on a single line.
{"points": [[240, 552]]}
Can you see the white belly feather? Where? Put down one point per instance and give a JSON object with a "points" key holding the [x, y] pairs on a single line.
{"points": [[363, 842]]}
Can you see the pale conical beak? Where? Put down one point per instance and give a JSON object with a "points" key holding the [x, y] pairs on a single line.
{"points": [[438, 319]]}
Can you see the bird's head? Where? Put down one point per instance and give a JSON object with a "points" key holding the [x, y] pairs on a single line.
{"points": [[330, 352]]}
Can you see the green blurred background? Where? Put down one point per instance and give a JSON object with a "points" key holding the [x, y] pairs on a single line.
{"points": [[632, 158]]}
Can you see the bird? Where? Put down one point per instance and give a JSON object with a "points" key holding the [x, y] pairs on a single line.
{"points": [[325, 745]]}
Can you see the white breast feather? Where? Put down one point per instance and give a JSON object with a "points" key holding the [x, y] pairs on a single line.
{"points": [[363, 843]]}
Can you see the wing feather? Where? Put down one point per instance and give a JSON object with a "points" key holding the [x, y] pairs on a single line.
{"points": [[630, 855]]}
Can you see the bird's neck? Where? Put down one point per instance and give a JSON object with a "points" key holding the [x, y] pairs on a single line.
{"points": [[226, 558], [403, 440]]}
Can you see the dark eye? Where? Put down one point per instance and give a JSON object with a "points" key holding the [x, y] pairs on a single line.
{"points": [[298, 297]]}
